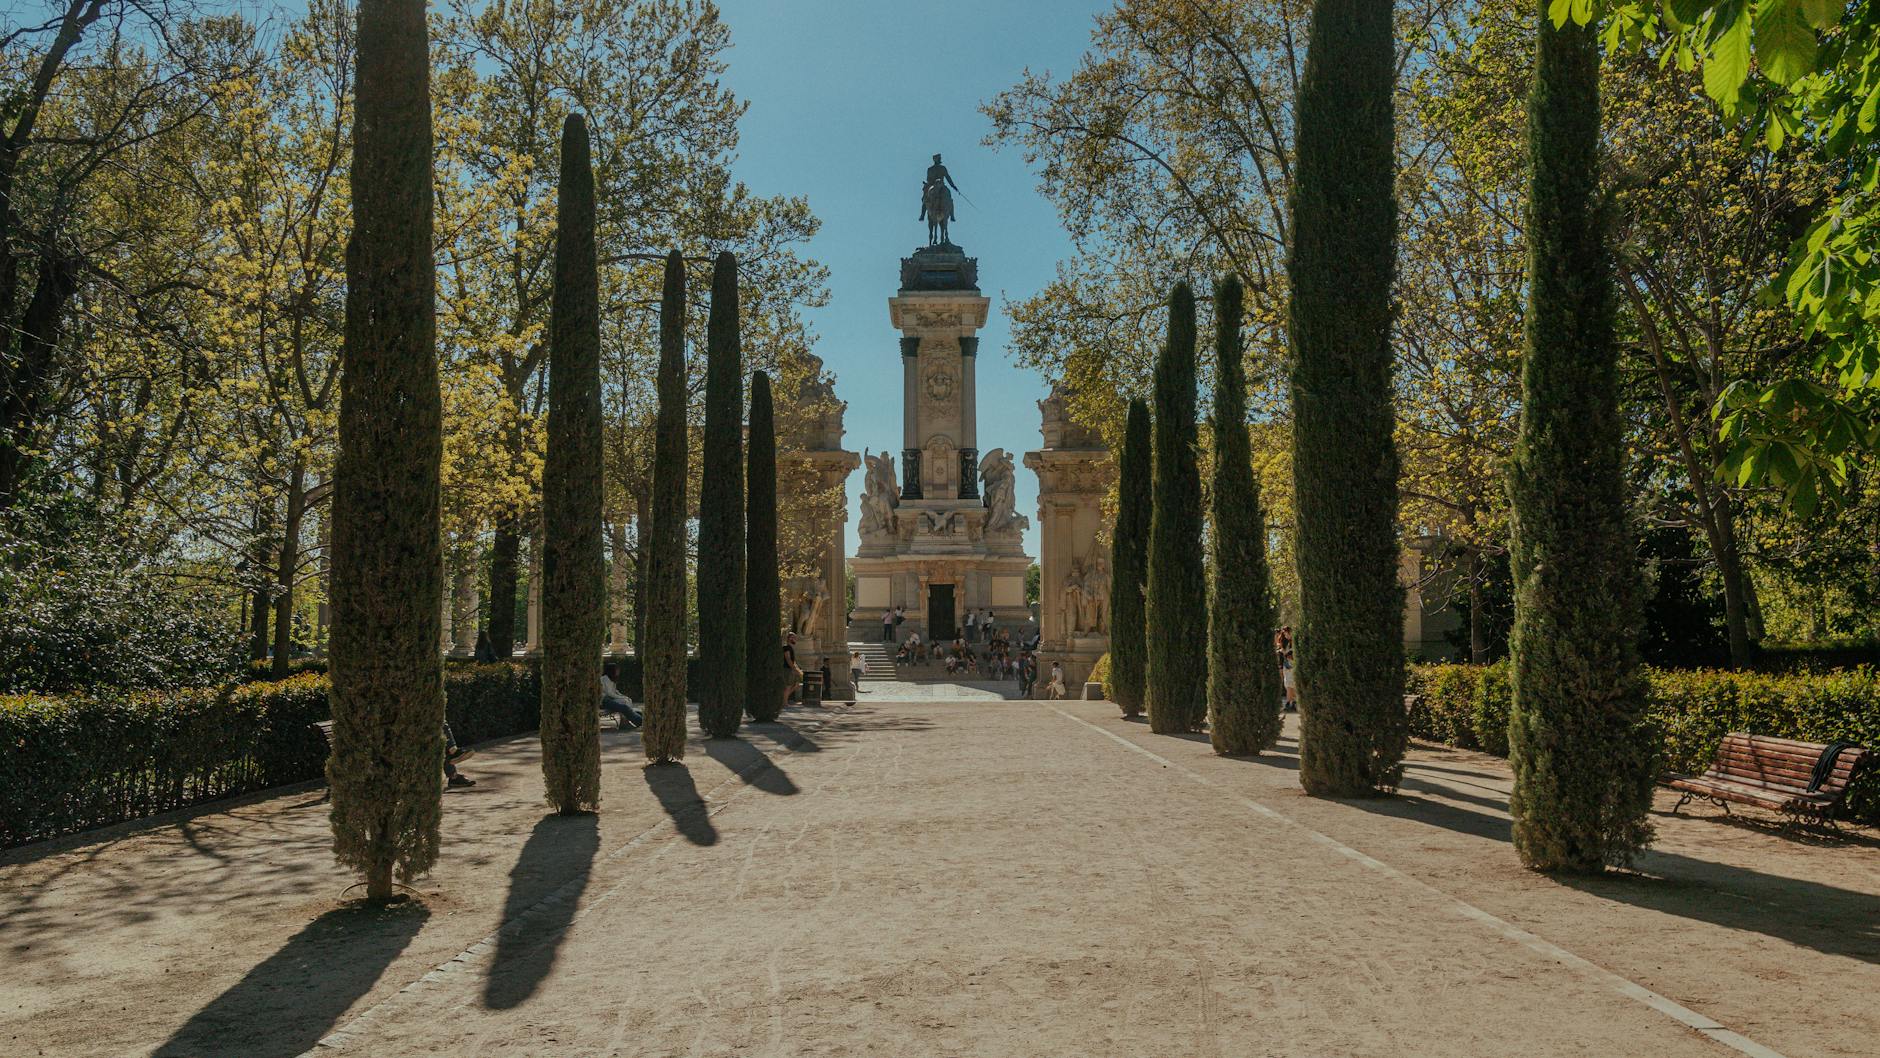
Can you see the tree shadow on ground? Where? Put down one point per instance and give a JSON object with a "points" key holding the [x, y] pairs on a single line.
{"points": [[283, 1006], [751, 764], [679, 796], [1826, 918], [1282, 754], [545, 888], [785, 735]]}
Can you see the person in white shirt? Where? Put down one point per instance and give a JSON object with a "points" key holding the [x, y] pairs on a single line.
{"points": [[613, 700], [1056, 687], [972, 625]]}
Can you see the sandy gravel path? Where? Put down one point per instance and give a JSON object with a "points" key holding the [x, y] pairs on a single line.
{"points": [[978, 878]]}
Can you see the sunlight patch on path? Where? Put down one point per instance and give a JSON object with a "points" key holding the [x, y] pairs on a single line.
{"points": [[1708, 1026]]}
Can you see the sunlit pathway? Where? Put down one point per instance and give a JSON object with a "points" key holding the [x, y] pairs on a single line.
{"points": [[978, 879]]}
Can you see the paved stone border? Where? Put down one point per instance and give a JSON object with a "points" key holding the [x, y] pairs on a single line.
{"points": [[354, 1030], [1702, 1023]]}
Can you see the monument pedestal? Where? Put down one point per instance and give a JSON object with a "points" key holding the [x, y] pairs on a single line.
{"points": [[933, 545]]}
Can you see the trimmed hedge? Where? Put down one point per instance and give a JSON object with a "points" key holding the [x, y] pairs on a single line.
{"points": [[81, 761], [1691, 711]]}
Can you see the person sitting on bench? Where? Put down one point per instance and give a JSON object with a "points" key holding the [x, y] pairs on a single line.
{"points": [[452, 754], [613, 701]]}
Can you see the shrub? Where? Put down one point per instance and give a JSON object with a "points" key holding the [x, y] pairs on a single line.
{"points": [[72, 616], [72, 763], [1100, 673], [1689, 713]]}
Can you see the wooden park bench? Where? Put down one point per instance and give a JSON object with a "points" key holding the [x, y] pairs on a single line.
{"points": [[1776, 774]]}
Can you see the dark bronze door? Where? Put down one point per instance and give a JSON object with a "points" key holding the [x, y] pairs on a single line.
{"points": [[940, 613]]}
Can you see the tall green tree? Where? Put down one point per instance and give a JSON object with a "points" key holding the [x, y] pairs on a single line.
{"points": [[1344, 221], [1176, 681], [1581, 753], [574, 595], [763, 583], [386, 769], [1129, 562], [721, 643], [1243, 678], [663, 734]]}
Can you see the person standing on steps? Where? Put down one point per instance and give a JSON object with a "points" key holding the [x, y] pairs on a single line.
{"points": [[972, 625], [887, 626], [900, 614]]}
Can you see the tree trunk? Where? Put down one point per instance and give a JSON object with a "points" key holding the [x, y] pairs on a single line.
{"points": [[1478, 624], [26, 375], [642, 517], [505, 557], [290, 561], [260, 558]]}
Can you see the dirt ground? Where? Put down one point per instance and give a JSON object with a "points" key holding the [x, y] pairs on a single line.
{"points": [[927, 878]]}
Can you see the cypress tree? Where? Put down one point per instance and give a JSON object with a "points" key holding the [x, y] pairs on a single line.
{"points": [[663, 734], [1581, 755], [1176, 680], [763, 583], [1129, 561], [1243, 677], [386, 768], [574, 575], [1350, 642], [721, 514]]}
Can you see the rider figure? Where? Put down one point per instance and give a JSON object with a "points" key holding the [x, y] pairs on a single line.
{"points": [[936, 175]]}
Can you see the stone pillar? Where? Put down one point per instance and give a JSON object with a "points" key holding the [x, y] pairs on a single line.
{"points": [[443, 624], [533, 645], [1074, 474], [619, 612], [465, 599]]}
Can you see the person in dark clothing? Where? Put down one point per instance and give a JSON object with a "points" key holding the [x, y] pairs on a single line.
{"points": [[486, 652], [452, 754]]}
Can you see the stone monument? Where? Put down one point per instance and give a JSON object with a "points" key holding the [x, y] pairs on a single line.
{"points": [[941, 537], [1074, 474], [812, 463]]}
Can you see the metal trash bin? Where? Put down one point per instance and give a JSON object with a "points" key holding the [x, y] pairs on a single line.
{"points": [[812, 687]]}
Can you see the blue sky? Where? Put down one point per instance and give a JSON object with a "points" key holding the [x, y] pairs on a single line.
{"points": [[848, 98]]}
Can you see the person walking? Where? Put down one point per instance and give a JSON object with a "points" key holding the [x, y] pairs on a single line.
{"points": [[1055, 689], [858, 667], [1283, 644], [972, 626], [887, 626], [795, 685]]}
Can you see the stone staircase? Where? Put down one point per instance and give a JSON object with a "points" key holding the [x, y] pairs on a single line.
{"points": [[879, 657]]}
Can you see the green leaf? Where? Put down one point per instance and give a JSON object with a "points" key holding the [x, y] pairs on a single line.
{"points": [[1804, 497], [1686, 12], [1823, 14], [1727, 66], [1869, 109], [1785, 44], [1558, 11]]}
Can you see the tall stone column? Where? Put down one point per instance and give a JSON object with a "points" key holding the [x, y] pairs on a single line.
{"points": [[465, 600], [533, 646], [619, 613], [910, 433]]}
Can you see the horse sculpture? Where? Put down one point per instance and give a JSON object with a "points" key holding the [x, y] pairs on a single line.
{"points": [[936, 208]]}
